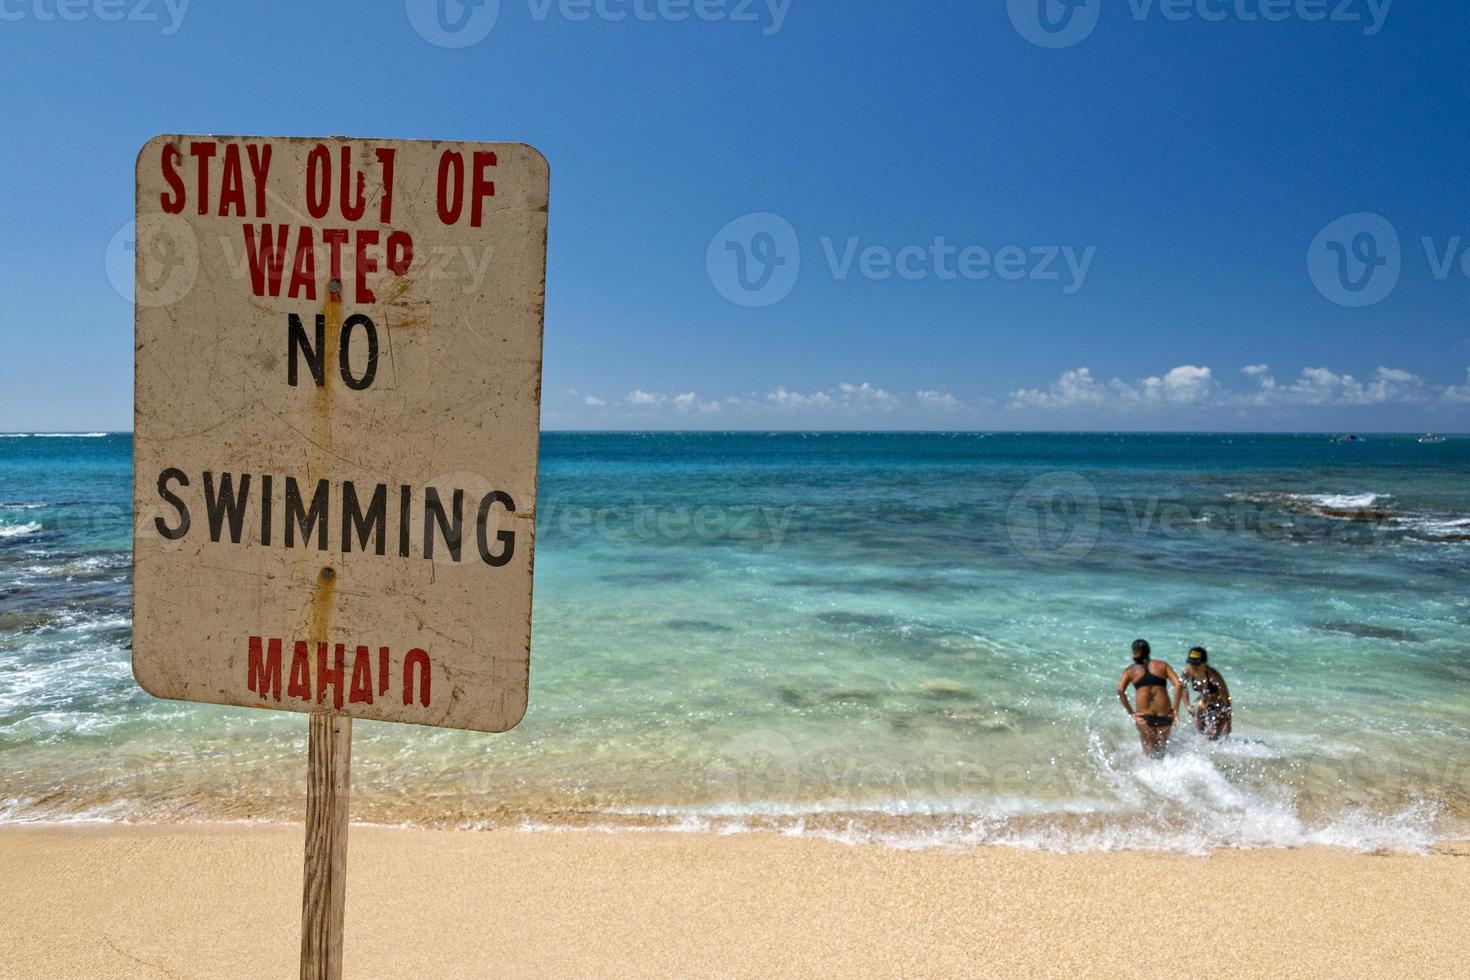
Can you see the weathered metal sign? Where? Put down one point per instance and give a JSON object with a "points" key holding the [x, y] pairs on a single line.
{"points": [[338, 379]]}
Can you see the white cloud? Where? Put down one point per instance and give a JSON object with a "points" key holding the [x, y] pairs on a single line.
{"points": [[686, 402], [845, 396], [866, 394], [940, 401], [794, 399], [1184, 385], [1072, 388], [1318, 386], [1188, 385], [1459, 393], [1323, 386], [689, 402]]}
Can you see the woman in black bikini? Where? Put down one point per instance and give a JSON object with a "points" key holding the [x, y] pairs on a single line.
{"points": [[1156, 714], [1212, 717]]}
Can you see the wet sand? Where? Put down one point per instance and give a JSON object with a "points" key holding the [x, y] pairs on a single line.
{"points": [[224, 901]]}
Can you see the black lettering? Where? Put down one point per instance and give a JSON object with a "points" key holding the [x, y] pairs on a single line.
{"points": [[315, 358], [345, 359], [265, 508], [306, 520], [176, 476], [507, 538], [405, 503], [434, 514], [352, 516], [226, 504]]}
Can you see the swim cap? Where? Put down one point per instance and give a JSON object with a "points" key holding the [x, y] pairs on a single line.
{"points": [[1198, 655]]}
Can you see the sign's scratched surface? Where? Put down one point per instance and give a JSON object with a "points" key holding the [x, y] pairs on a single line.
{"points": [[338, 380]]}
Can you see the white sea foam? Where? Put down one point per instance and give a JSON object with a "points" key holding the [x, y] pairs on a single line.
{"points": [[53, 435], [1192, 802], [1323, 501], [1348, 506], [1411, 830], [115, 561], [53, 672], [42, 726], [90, 623], [18, 530], [1342, 501], [1437, 526]]}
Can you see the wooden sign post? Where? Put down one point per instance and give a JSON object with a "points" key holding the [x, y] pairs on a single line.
{"points": [[324, 881], [337, 384]]}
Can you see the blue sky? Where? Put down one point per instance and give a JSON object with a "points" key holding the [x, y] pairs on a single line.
{"points": [[1157, 224]]}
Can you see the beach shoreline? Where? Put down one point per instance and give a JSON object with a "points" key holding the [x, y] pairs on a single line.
{"points": [[224, 900]]}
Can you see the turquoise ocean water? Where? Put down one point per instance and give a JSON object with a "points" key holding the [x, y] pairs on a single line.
{"points": [[914, 638]]}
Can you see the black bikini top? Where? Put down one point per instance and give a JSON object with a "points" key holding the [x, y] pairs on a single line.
{"points": [[1204, 685], [1149, 679]]}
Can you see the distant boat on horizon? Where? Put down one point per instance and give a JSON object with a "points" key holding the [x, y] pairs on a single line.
{"points": [[1430, 439], [1346, 438]]}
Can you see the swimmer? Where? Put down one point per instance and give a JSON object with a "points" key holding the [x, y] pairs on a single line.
{"points": [[1213, 714], [1155, 715]]}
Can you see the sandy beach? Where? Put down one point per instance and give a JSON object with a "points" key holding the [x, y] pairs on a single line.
{"points": [[222, 901]]}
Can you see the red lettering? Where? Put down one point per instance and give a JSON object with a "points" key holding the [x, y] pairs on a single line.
{"points": [[202, 152], [260, 168], [366, 264], [482, 188], [421, 659], [333, 677], [449, 212], [232, 184], [170, 161], [266, 260], [263, 675], [352, 210], [335, 238], [303, 270], [385, 203], [318, 181], [399, 252], [300, 686], [362, 678]]}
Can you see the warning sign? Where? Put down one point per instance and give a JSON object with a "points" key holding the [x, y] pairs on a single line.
{"points": [[338, 379]]}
